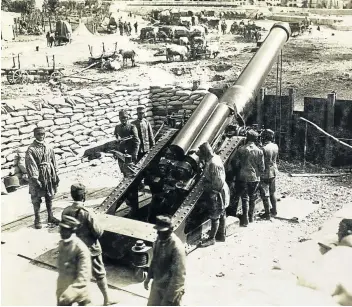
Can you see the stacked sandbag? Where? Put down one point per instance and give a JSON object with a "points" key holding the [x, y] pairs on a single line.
{"points": [[79, 120], [174, 99]]}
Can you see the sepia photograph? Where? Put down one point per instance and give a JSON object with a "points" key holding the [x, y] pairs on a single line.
{"points": [[176, 152]]}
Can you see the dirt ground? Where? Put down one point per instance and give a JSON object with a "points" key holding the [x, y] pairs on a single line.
{"points": [[313, 64]]}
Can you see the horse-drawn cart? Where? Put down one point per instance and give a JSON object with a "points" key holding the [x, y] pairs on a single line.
{"points": [[18, 75]]}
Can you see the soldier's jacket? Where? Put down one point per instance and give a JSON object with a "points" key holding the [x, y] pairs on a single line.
{"points": [[90, 230], [41, 164], [146, 135], [75, 267], [168, 267], [270, 151], [249, 159], [130, 146]]}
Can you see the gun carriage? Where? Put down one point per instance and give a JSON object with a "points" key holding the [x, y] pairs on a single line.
{"points": [[168, 180]]}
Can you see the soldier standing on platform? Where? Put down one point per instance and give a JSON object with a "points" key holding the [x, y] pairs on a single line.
{"points": [[42, 175], [127, 136], [217, 192], [145, 133]]}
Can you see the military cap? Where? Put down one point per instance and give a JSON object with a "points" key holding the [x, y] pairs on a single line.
{"points": [[163, 223], [142, 108], [252, 135], [69, 222], [37, 129], [268, 133], [78, 188], [123, 112]]}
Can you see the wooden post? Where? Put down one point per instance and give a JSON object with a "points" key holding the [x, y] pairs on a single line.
{"points": [[305, 145], [260, 107], [53, 62], [329, 127], [47, 60], [289, 135], [18, 59]]}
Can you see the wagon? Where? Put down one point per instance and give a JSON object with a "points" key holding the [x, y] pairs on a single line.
{"points": [[19, 75], [197, 51]]}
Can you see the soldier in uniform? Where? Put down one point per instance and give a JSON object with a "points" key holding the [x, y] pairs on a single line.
{"points": [[217, 193], [168, 266], [42, 175], [89, 232], [145, 133], [129, 131], [74, 276], [267, 185], [249, 161]]}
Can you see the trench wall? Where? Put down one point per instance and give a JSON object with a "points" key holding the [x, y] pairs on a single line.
{"points": [[82, 119]]}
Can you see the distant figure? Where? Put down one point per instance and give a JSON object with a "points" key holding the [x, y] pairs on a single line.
{"points": [[223, 27], [318, 28], [129, 28], [193, 21], [136, 27], [49, 39], [121, 27]]}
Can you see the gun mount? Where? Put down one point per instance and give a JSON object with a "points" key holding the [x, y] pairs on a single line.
{"points": [[168, 180]]}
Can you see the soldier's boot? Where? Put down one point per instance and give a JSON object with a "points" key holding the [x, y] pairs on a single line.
{"points": [[266, 215], [273, 210], [251, 210], [221, 234], [37, 221], [214, 229], [244, 217], [103, 286], [51, 218]]}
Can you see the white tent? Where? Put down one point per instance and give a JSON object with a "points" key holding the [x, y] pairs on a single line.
{"points": [[81, 32]]}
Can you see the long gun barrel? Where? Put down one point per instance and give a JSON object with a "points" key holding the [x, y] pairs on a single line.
{"points": [[238, 99]]}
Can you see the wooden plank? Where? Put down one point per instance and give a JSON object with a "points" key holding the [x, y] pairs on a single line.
{"points": [[320, 175], [128, 227]]}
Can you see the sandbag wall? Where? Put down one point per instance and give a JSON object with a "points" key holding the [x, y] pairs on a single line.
{"points": [[83, 119], [75, 121], [174, 99]]}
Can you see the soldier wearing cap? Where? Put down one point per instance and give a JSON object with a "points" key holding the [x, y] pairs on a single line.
{"points": [[267, 185], [145, 132], [129, 131], [42, 175], [74, 276], [168, 266], [217, 193], [89, 232], [249, 161]]}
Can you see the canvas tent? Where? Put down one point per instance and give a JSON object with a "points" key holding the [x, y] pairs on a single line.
{"points": [[8, 25]]}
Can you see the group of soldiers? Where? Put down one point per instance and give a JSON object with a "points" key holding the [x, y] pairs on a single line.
{"points": [[253, 167]]}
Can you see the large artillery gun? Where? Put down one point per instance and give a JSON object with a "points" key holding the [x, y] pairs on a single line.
{"points": [[168, 180]]}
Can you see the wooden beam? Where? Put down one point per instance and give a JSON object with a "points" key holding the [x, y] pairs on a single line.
{"points": [[320, 175]]}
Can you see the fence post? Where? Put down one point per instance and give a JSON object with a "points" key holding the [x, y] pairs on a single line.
{"points": [[289, 136], [260, 106], [329, 127]]}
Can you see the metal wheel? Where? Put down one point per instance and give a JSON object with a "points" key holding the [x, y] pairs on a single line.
{"points": [[56, 75], [9, 77], [19, 76]]}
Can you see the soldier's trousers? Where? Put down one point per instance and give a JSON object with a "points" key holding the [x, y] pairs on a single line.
{"points": [[157, 297]]}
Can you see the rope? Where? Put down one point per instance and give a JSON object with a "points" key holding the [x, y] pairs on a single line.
{"points": [[327, 134]]}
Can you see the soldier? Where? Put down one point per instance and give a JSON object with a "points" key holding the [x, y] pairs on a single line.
{"points": [[249, 161], [42, 175], [145, 133], [267, 185], [89, 232], [74, 276], [168, 266], [136, 27], [217, 192], [126, 130]]}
